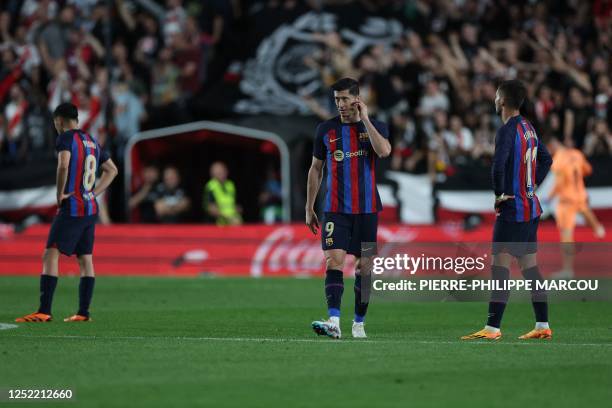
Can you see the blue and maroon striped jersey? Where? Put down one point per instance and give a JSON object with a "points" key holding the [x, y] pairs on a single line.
{"points": [[351, 166], [85, 158], [520, 164]]}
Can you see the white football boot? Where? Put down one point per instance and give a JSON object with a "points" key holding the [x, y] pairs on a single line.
{"points": [[359, 331], [329, 328]]}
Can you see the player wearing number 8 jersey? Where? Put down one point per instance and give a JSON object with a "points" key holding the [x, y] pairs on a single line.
{"points": [[72, 231], [520, 163]]}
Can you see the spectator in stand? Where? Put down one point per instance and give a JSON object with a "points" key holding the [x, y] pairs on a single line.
{"points": [[271, 198], [144, 199], [15, 111], [174, 20], [433, 99], [459, 139], [171, 204], [220, 197], [410, 151], [544, 104], [603, 98], [439, 160], [38, 132], [129, 113], [598, 143], [165, 91], [483, 141], [577, 114], [187, 57]]}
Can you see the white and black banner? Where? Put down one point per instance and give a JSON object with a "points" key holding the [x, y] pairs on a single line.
{"points": [[277, 76]]}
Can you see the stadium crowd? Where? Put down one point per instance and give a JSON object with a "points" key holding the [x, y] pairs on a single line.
{"points": [[435, 85], [54, 50]]}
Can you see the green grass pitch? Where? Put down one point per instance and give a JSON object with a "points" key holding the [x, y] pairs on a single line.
{"points": [[165, 342]]}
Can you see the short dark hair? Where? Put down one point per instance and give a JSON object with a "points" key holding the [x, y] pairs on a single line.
{"points": [[67, 111], [345, 84], [514, 93]]}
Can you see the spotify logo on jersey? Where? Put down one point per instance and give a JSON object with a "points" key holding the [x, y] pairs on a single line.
{"points": [[338, 155]]}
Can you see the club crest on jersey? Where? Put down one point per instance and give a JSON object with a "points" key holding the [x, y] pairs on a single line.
{"points": [[338, 155], [89, 144], [364, 137]]}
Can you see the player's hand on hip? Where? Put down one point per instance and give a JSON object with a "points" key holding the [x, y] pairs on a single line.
{"points": [[499, 200], [312, 221], [62, 197]]}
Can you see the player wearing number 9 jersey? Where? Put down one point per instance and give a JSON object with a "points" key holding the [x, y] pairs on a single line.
{"points": [[520, 163], [348, 145], [72, 232]]}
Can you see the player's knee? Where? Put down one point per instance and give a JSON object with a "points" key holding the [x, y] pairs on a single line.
{"points": [[363, 266], [50, 255], [528, 261], [86, 265], [334, 262], [502, 259]]}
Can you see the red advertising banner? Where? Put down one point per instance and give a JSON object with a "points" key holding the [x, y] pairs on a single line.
{"points": [[191, 250]]}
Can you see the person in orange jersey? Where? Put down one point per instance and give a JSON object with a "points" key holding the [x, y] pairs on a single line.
{"points": [[570, 167]]}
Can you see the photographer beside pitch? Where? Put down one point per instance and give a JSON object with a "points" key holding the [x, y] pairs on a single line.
{"points": [[520, 164], [79, 156], [348, 146]]}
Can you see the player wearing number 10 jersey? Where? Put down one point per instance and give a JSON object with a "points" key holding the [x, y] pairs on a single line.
{"points": [[520, 164], [72, 231]]}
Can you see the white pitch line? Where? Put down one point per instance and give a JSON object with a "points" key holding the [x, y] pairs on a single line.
{"points": [[320, 341]]}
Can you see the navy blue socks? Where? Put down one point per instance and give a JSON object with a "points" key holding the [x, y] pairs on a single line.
{"points": [[499, 298], [361, 299], [47, 288], [334, 287], [86, 287]]}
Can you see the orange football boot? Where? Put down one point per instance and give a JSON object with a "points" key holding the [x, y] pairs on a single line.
{"points": [[35, 317], [483, 335], [537, 334], [77, 318]]}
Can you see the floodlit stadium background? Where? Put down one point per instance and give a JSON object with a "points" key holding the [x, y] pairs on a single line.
{"points": [[178, 318], [187, 83]]}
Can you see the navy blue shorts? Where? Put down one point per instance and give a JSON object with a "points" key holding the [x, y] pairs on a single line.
{"points": [[72, 235], [515, 238], [349, 231]]}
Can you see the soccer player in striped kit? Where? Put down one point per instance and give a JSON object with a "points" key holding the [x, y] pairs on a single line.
{"points": [[72, 232], [348, 146], [520, 164]]}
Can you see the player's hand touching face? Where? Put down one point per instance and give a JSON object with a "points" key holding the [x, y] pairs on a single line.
{"points": [[361, 108]]}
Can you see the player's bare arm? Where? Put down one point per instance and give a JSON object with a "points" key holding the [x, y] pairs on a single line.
{"points": [[500, 158], [315, 175], [381, 146], [109, 172], [63, 164]]}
